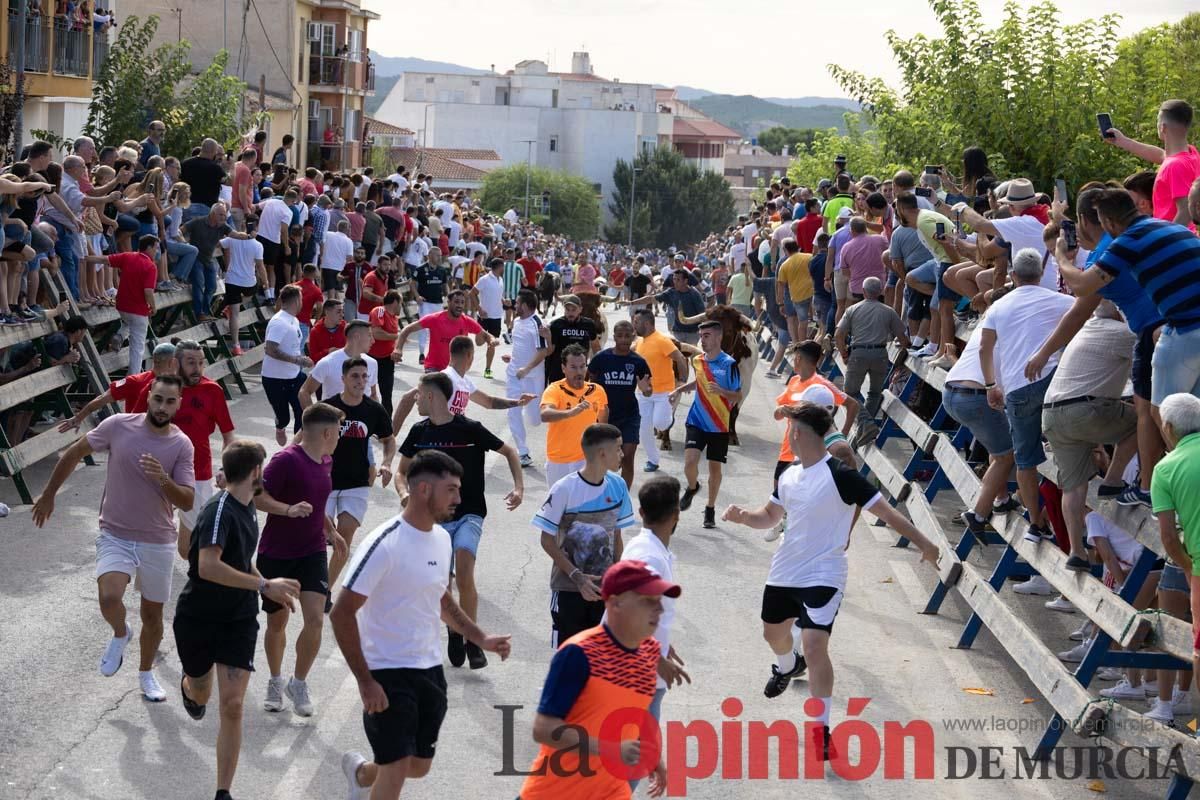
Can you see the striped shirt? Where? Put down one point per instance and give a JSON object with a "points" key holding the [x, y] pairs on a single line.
{"points": [[514, 278], [710, 411], [1165, 259]]}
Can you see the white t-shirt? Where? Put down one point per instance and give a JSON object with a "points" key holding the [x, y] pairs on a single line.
{"points": [[403, 572], [1026, 231], [491, 295], [1127, 548], [511, 216], [526, 341], [648, 548], [225, 195], [464, 387], [243, 253], [820, 503], [328, 372], [748, 233], [271, 214], [337, 251], [967, 367], [453, 232], [737, 254], [284, 330], [476, 247], [415, 253], [456, 265], [1022, 320]]}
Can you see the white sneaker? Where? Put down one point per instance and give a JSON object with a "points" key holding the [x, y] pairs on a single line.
{"points": [[297, 692], [1161, 711], [1075, 654], [150, 687], [773, 533], [3, 510], [1124, 691], [1109, 674], [351, 762], [274, 699], [114, 654], [1181, 701], [1080, 633], [1061, 604], [1035, 585], [1151, 688], [929, 349]]}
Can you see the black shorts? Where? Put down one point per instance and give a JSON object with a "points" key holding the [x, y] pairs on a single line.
{"points": [[491, 325], [1143, 354], [312, 571], [234, 294], [780, 467], [813, 607], [329, 280], [571, 614], [410, 724], [272, 251], [202, 643], [717, 444], [630, 428]]}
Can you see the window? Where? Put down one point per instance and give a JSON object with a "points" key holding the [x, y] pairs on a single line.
{"points": [[460, 96], [321, 36], [356, 42], [474, 83], [429, 80], [585, 102], [553, 144], [554, 98], [314, 109], [753, 173], [352, 124]]}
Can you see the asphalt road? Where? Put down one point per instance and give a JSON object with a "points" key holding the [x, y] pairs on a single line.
{"points": [[67, 732]]}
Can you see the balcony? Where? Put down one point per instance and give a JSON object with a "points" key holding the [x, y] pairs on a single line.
{"points": [[370, 85], [327, 71], [37, 41], [72, 54], [99, 53]]}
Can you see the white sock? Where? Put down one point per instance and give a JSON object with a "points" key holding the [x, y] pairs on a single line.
{"points": [[826, 704], [270, 293], [145, 672], [786, 663]]}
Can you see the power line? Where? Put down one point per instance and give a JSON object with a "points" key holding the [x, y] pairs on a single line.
{"points": [[287, 75]]}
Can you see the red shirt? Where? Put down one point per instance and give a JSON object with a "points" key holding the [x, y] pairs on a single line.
{"points": [[532, 267], [444, 244], [306, 187], [138, 274], [130, 388], [310, 295], [380, 317], [355, 273], [375, 283], [807, 228], [322, 341], [442, 328], [202, 410], [241, 181], [616, 278]]}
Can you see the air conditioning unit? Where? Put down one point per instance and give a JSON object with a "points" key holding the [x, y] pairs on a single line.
{"points": [[314, 32]]}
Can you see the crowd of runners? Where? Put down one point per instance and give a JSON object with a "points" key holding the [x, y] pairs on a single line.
{"points": [[358, 266]]}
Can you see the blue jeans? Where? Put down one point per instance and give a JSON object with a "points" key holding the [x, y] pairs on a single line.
{"points": [[1175, 364], [927, 273], [1023, 407], [969, 408], [184, 257], [465, 533], [204, 285], [193, 211], [68, 258]]}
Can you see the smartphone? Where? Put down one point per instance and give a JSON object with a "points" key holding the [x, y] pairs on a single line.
{"points": [[939, 230], [923, 191], [1068, 231], [1061, 186], [1105, 123], [933, 169], [62, 297]]}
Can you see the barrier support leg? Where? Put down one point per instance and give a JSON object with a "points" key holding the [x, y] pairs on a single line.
{"points": [[1004, 568], [962, 550], [1179, 787]]}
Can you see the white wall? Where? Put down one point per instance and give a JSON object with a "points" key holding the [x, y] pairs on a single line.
{"points": [[65, 116]]}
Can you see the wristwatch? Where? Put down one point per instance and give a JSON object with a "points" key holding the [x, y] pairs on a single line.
{"points": [[262, 585]]}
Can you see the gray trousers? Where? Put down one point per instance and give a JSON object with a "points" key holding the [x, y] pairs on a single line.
{"points": [[871, 364]]}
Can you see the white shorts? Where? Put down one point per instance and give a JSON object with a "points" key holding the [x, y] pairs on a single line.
{"points": [[204, 490], [151, 565], [555, 471], [348, 501]]}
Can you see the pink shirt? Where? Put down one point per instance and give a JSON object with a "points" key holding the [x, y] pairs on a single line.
{"points": [[133, 506], [862, 256], [1173, 181], [442, 328], [242, 177]]}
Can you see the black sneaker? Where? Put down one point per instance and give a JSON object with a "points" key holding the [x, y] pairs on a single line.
{"points": [[456, 649], [1011, 504], [1133, 496], [821, 739], [1109, 492], [475, 656], [689, 494], [1079, 564], [421, 358], [975, 526], [1037, 533], [710, 517], [194, 709], [779, 681]]}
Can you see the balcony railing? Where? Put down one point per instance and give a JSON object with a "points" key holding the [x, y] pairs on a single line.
{"points": [[71, 55], [99, 53], [370, 87], [37, 41], [327, 71]]}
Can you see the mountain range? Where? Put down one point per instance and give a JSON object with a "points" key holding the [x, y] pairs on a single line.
{"points": [[746, 114]]}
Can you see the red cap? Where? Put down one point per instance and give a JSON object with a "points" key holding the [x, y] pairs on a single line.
{"points": [[635, 576]]}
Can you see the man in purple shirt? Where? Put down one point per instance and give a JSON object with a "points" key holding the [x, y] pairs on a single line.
{"points": [[296, 485], [862, 257]]}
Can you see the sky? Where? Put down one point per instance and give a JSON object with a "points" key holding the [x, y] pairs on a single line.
{"points": [[699, 43]]}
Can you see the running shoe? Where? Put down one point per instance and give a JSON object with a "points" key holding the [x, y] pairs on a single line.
{"points": [[114, 654], [351, 763], [1079, 564], [1039, 533], [650, 467], [1124, 691], [1134, 496], [823, 742], [710, 517], [1060, 603], [1080, 633], [297, 692], [487, 373], [507, 337], [274, 699], [151, 690], [1035, 585], [4, 509], [689, 494], [1010, 504], [1161, 711], [421, 358], [1181, 701], [1109, 674], [1076, 654], [194, 709], [976, 526], [476, 658], [26, 315], [772, 373], [527, 461], [779, 681], [774, 533], [456, 648]]}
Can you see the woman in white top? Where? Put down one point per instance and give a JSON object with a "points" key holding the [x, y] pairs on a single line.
{"points": [[179, 252]]}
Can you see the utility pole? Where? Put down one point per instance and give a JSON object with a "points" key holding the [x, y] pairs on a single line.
{"points": [[632, 195], [178, 12], [528, 171], [19, 117]]}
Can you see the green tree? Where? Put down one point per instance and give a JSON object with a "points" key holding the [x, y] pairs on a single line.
{"points": [[797, 140], [675, 203], [864, 151], [207, 108], [574, 209]]}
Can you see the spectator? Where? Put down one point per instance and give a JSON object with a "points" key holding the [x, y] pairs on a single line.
{"points": [[205, 175], [862, 337], [1180, 162], [206, 233], [135, 296], [862, 257], [151, 146]]}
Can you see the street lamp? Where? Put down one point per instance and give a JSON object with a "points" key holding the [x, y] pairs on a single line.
{"points": [[632, 204], [528, 170]]}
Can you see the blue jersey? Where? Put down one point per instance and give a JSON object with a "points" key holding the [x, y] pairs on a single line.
{"points": [[710, 411], [1165, 259]]}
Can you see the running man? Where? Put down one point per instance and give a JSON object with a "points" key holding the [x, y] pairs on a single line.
{"points": [[353, 470], [427, 285], [443, 327], [807, 579], [667, 369], [488, 296], [569, 406], [514, 279], [284, 363], [526, 371], [624, 375], [716, 385], [127, 390], [581, 523], [216, 617], [605, 669], [325, 379], [467, 442], [295, 482], [149, 473], [387, 621]]}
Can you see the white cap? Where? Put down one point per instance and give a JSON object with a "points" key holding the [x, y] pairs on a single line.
{"points": [[818, 395], [845, 213]]}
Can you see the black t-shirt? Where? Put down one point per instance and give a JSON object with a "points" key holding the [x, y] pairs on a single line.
{"points": [[431, 282], [638, 284], [226, 523], [204, 176], [618, 375], [685, 304], [369, 418], [466, 441], [564, 332]]}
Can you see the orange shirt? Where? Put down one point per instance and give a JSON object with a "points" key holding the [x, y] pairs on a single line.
{"points": [[564, 438], [657, 350], [791, 395]]}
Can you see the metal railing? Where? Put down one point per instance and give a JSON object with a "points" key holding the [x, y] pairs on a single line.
{"points": [[37, 41], [99, 53], [370, 86], [327, 71], [71, 52]]}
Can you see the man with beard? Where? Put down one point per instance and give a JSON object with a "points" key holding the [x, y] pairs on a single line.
{"points": [[149, 473], [568, 407], [571, 328], [443, 326]]}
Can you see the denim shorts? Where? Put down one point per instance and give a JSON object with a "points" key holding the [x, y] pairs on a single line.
{"points": [[1023, 407], [944, 292], [465, 533], [927, 273], [1176, 364], [1173, 579], [802, 310], [820, 307], [892, 278], [970, 409], [1143, 357]]}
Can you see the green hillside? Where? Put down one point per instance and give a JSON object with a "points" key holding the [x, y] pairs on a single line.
{"points": [[383, 85], [751, 115]]}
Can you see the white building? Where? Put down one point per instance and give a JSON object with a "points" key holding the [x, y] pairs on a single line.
{"points": [[573, 121]]}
